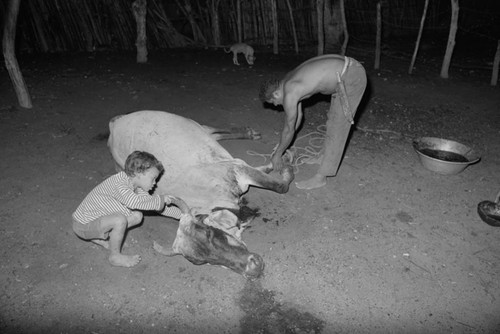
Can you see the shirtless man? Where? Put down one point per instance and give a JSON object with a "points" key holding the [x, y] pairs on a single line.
{"points": [[322, 75]]}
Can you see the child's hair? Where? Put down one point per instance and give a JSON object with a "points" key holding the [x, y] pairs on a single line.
{"points": [[139, 162], [267, 89]]}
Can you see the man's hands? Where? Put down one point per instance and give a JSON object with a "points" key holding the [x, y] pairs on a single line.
{"points": [[286, 138], [277, 161]]}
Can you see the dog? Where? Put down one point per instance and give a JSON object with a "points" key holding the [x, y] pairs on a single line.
{"points": [[246, 49]]}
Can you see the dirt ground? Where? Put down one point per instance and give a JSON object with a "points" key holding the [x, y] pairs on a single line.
{"points": [[386, 247]]}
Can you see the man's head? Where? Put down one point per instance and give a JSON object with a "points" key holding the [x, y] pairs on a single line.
{"points": [[271, 91], [144, 169]]}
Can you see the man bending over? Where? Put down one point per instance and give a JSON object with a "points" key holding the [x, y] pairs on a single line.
{"points": [[342, 77]]}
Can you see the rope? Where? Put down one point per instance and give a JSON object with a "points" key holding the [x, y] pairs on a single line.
{"points": [[304, 154]]}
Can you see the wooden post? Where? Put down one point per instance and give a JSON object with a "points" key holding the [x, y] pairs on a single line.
{"points": [[417, 43], [139, 7], [344, 25], [214, 18], [238, 21], [294, 30], [379, 36], [274, 12], [451, 39], [496, 62], [9, 54], [321, 39]]}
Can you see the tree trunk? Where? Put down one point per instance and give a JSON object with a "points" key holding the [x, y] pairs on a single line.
{"points": [[9, 38], [321, 39], [417, 44], [274, 13], [139, 7], [379, 36], [451, 39], [264, 20], [344, 28], [294, 30], [496, 62], [238, 20], [213, 6], [332, 26]]}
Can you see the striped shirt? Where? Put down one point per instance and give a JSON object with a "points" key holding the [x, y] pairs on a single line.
{"points": [[116, 195]]}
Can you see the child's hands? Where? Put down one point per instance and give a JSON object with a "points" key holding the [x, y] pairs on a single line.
{"points": [[168, 199]]}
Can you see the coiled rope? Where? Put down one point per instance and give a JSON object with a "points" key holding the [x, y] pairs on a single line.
{"points": [[304, 154]]}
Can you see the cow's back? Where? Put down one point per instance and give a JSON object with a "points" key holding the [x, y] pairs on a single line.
{"points": [[189, 154], [177, 141]]}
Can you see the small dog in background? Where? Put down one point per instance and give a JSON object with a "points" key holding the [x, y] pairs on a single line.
{"points": [[246, 49]]}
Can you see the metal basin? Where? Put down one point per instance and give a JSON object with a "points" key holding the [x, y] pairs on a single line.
{"points": [[444, 156]]}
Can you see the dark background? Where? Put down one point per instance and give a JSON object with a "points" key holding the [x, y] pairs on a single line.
{"points": [[62, 25]]}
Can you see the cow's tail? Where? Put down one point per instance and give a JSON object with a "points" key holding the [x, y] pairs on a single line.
{"points": [[112, 145], [111, 126]]}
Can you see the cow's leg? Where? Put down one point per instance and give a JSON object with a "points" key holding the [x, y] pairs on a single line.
{"points": [[233, 133], [162, 250], [266, 168], [259, 177], [276, 182]]}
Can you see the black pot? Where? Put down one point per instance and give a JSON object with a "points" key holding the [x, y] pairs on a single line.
{"points": [[490, 211]]}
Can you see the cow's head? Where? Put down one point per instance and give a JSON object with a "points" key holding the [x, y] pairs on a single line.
{"points": [[201, 243]]}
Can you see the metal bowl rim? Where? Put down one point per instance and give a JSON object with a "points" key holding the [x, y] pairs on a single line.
{"points": [[471, 155], [447, 162]]}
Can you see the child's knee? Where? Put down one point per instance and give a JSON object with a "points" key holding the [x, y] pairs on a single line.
{"points": [[120, 221], [135, 218]]}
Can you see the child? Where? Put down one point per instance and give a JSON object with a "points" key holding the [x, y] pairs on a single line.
{"points": [[109, 209]]}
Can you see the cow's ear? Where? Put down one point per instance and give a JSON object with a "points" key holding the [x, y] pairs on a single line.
{"points": [[201, 217]]}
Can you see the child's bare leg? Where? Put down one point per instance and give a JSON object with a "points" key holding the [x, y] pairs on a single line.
{"points": [[119, 225], [100, 242], [134, 219]]}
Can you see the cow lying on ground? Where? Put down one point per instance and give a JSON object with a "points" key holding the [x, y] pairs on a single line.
{"points": [[201, 172]]}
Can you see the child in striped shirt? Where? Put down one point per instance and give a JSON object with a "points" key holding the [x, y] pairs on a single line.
{"points": [[112, 207]]}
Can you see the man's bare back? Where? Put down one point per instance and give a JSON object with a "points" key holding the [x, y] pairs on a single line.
{"points": [[316, 75]]}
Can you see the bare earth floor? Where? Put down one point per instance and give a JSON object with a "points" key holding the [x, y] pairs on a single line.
{"points": [[386, 247]]}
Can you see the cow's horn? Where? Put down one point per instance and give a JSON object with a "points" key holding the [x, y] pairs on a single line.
{"points": [[179, 202]]}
